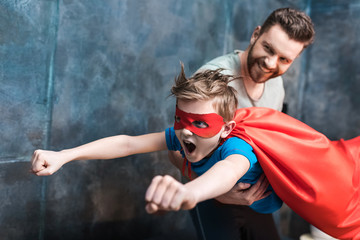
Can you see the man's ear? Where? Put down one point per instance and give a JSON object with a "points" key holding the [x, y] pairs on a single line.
{"points": [[228, 127], [255, 35]]}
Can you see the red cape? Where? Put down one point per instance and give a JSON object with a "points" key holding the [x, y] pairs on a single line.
{"points": [[317, 178]]}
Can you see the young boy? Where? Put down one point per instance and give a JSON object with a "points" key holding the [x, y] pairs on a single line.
{"points": [[205, 108], [318, 178]]}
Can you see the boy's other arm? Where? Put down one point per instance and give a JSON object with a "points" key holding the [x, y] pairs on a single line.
{"points": [[220, 178], [177, 160], [47, 162], [166, 193]]}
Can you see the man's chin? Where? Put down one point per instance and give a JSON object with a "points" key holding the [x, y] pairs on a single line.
{"points": [[261, 78]]}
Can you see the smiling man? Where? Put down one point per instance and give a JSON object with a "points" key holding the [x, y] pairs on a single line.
{"points": [[273, 48]]}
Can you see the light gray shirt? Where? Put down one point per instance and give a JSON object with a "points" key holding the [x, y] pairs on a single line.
{"points": [[273, 94]]}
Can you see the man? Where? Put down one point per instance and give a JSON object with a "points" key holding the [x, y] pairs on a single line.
{"points": [[273, 48]]}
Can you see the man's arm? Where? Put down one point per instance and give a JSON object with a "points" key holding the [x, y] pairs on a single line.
{"points": [[47, 162], [165, 193]]}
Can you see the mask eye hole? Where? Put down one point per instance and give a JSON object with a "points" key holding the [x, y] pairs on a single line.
{"points": [[200, 124], [177, 119]]}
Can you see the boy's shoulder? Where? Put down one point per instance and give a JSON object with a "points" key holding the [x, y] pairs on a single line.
{"points": [[237, 142], [235, 145]]}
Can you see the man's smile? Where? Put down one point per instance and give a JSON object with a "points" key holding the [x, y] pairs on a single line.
{"points": [[263, 68]]}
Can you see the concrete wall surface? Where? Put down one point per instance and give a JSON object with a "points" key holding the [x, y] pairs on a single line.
{"points": [[76, 71]]}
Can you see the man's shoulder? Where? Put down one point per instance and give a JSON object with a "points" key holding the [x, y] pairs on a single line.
{"points": [[229, 62]]}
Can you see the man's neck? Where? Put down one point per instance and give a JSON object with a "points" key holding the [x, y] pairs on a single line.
{"points": [[253, 89]]}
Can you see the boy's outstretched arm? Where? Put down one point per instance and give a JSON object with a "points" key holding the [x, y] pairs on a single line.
{"points": [[47, 162], [245, 193], [166, 193], [241, 194]]}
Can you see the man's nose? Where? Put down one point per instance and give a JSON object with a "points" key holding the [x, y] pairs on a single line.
{"points": [[271, 62]]}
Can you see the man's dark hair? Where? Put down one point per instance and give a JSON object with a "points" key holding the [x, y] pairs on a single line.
{"points": [[297, 25]]}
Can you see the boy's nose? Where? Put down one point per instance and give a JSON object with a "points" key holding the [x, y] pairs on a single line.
{"points": [[186, 132]]}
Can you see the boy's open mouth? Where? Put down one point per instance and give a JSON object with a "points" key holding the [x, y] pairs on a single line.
{"points": [[190, 147]]}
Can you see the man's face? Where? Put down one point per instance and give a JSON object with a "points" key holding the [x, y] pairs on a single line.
{"points": [[271, 54], [195, 147]]}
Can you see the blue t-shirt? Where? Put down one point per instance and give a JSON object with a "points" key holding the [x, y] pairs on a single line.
{"points": [[231, 146]]}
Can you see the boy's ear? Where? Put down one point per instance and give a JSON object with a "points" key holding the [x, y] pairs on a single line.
{"points": [[228, 127]]}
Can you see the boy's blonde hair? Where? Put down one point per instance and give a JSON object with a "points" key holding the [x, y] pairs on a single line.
{"points": [[208, 85]]}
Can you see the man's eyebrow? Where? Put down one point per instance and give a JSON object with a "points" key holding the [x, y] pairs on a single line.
{"points": [[268, 44], [273, 50]]}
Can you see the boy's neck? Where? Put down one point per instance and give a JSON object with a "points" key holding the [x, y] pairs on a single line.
{"points": [[221, 141]]}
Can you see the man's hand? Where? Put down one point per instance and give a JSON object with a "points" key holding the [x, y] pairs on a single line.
{"points": [[245, 194], [166, 193], [45, 162]]}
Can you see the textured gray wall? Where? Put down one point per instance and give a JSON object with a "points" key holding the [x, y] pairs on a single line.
{"points": [[75, 71]]}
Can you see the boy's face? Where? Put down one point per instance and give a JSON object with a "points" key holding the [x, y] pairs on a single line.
{"points": [[209, 125]]}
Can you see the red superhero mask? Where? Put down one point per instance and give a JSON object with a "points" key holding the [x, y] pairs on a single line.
{"points": [[203, 125]]}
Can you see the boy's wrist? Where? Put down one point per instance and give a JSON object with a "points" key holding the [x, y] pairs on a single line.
{"points": [[194, 195], [69, 155]]}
